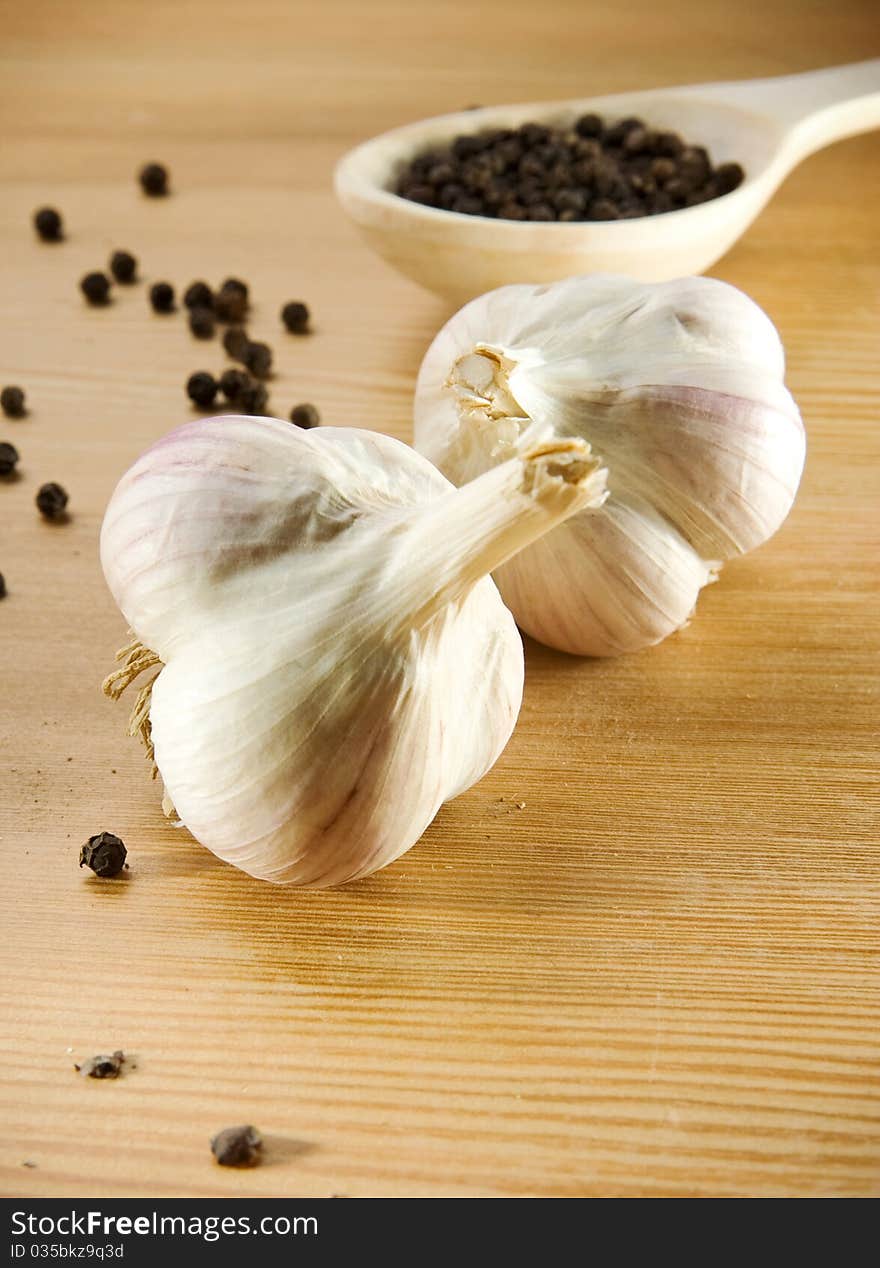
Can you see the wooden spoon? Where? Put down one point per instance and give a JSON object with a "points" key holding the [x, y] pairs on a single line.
{"points": [[767, 125]]}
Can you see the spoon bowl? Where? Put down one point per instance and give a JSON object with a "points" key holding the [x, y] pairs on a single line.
{"points": [[767, 126]]}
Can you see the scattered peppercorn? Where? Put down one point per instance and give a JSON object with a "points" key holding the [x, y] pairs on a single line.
{"points": [[162, 297], [198, 295], [104, 854], [258, 359], [8, 458], [234, 285], [201, 388], [96, 288], [154, 180], [236, 1146], [2, 586], [295, 316], [12, 402], [48, 224], [233, 383], [588, 171], [102, 1067], [305, 416], [123, 266], [201, 323], [231, 302], [253, 398], [51, 500], [236, 342]]}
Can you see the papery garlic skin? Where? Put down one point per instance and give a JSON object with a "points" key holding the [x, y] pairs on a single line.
{"points": [[678, 386], [336, 661]]}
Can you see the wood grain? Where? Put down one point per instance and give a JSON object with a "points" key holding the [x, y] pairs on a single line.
{"points": [[659, 977]]}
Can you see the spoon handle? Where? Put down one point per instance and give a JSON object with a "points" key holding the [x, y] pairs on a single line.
{"points": [[815, 108]]}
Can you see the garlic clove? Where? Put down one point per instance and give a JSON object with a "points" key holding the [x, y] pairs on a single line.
{"points": [[714, 462], [335, 660], [678, 386], [210, 508], [634, 585]]}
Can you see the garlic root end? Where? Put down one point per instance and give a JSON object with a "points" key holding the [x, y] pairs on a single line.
{"points": [[137, 659]]}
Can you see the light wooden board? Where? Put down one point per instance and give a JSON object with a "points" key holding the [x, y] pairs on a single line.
{"points": [[659, 976]]}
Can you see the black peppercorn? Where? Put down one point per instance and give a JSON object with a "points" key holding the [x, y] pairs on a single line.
{"points": [[511, 211], [477, 176], [569, 200], [236, 1146], [123, 266], [587, 148], [154, 180], [668, 144], [677, 190], [51, 500], [530, 165], [728, 176], [616, 134], [589, 125], [468, 206], [2, 586], [253, 398], [529, 194], [441, 174], [295, 316], [604, 209], [96, 288], [234, 285], [637, 141], [8, 458], [464, 146], [198, 295], [104, 854], [258, 359], [305, 416], [231, 303], [643, 186], [421, 193], [201, 388], [102, 1067], [662, 169], [162, 297], [233, 383], [532, 134], [447, 198], [236, 342], [201, 323], [48, 225], [12, 402]]}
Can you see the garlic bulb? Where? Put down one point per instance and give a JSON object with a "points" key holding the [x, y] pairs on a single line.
{"points": [[333, 660], [677, 386]]}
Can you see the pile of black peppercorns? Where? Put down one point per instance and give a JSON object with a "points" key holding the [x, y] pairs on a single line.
{"points": [[206, 308], [51, 498], [589, 171], [244, 389]]}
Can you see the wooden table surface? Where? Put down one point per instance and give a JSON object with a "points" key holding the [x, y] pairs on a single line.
{"points": [[658, 977]]}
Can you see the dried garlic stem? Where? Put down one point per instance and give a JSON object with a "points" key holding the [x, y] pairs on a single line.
{"points": [[472, 531]]}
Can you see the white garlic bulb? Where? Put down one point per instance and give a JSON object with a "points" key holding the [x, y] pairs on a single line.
{"points": [[679, 389], [334, 661]]}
